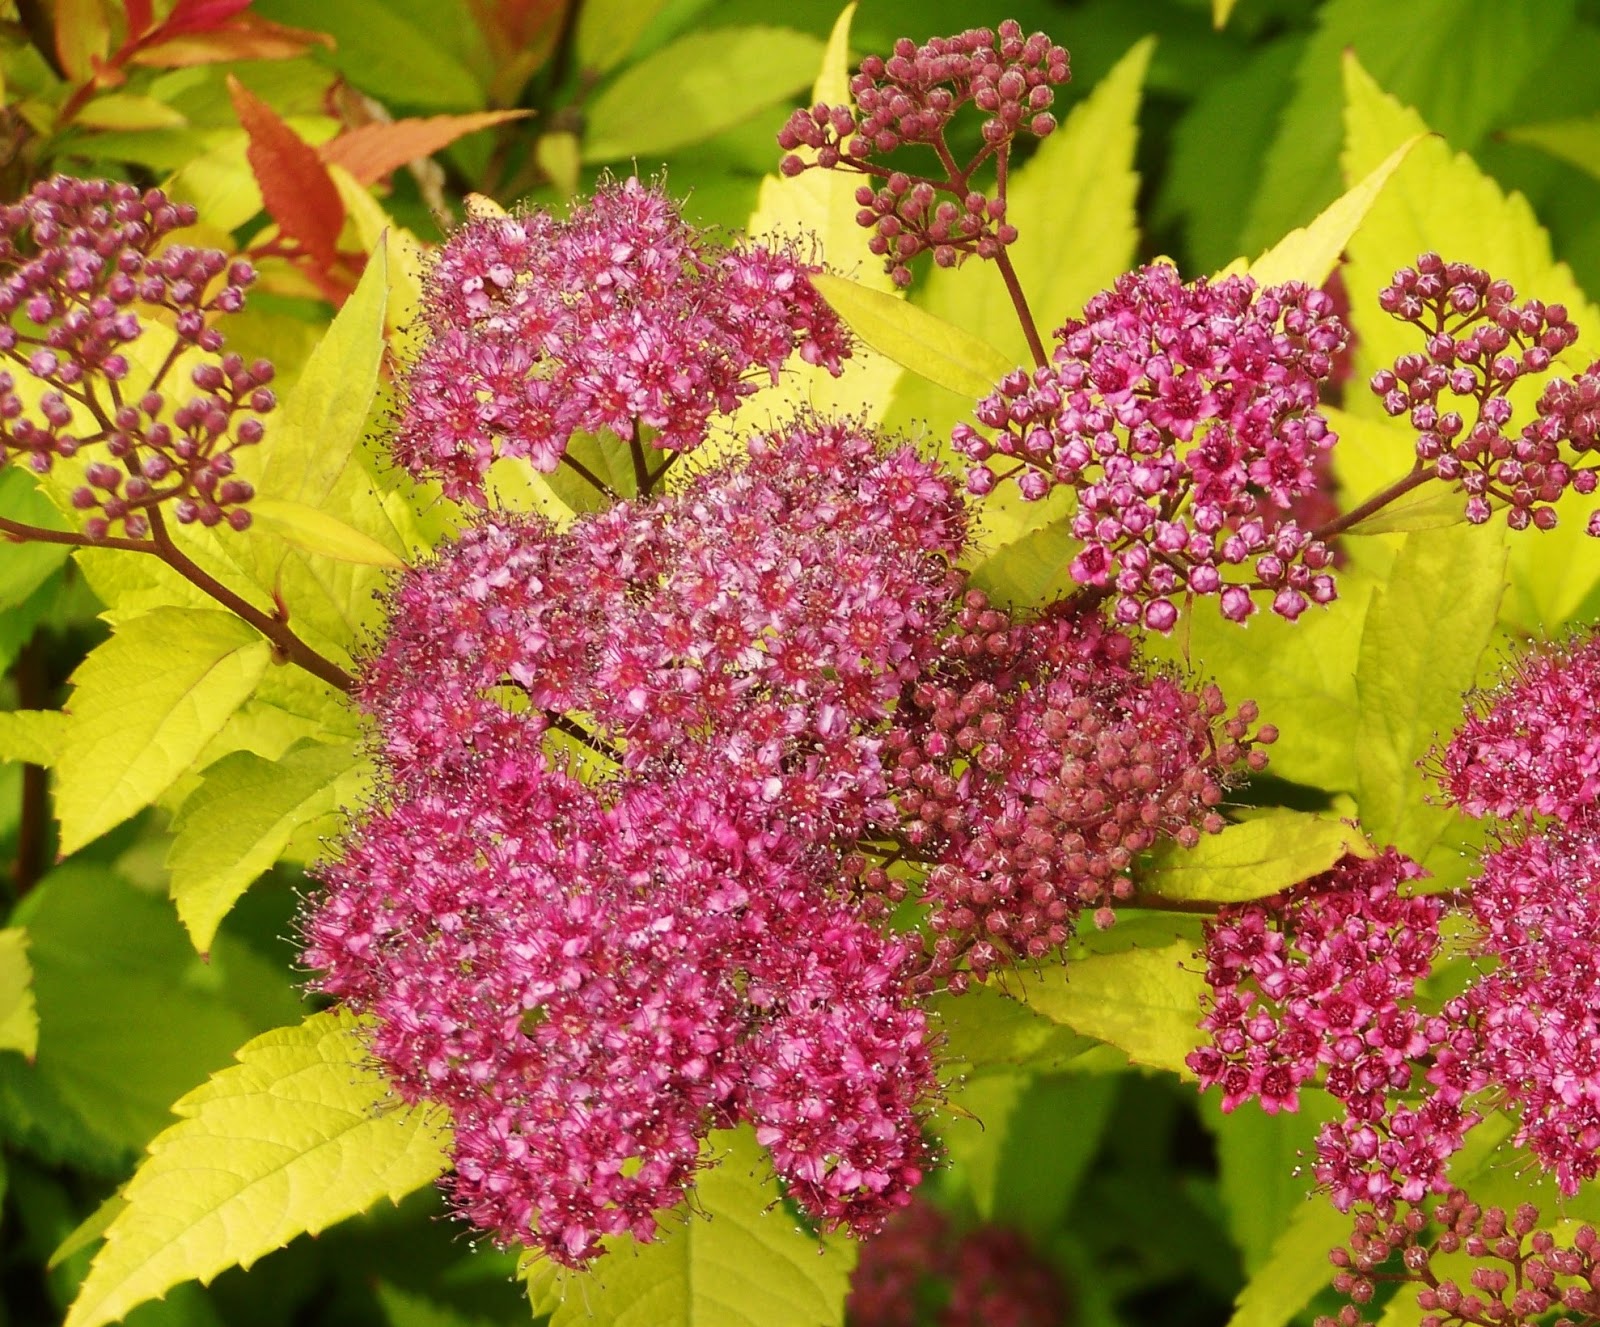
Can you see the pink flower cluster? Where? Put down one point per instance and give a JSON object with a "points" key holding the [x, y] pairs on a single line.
{"points": [[1032, 764], [910, 99], [84, 266], [1521, 1271], [1479, 343], [1184, 418], [594, 978], [762, 620], [924, 1272], [1317, 985], [622, 320]]}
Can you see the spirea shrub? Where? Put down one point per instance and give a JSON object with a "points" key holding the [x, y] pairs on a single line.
{"points": [[714, 786]]}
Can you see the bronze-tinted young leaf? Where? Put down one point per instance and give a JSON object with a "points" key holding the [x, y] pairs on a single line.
{"points": [[373, 150], [298, 192]]}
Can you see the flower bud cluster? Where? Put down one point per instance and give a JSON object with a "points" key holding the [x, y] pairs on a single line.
{"points": [[911, 99], [1184, 418], [622, 320], [1032, 764], [1473, 1265], [1479, 343], [924, 1272], [85, 267]]}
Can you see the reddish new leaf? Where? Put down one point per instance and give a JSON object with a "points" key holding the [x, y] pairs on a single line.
{"points": [[201, 15], [298, 192], [140, 16], [244, 38], [372, 151]]}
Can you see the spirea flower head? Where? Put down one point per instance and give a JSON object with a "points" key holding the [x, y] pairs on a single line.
{"points": [[924, 1272], [1032, 764], [910, 100], [1185, 419], [622, 321], [87, 269], [1316, 986], [765, 617], [593, 979], [1534, 1010], [1530, 746], [1479, 342], [1518, 1269]]}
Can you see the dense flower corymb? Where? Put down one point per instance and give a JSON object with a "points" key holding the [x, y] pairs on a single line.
{"points": [[621, 320], [87, 268], [1185, 418]]}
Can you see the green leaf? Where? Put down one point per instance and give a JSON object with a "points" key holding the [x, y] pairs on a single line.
{"points": [[381, 52], [144, 705], [315, 531], [128, 110], [694, 88], [1073, 204], [1442, 201], [1576, 142], [744, 1263], [33, 737], [90, 1231], [609, 29], [25, 567], [19, 1016], [1424, 635], [1030, 571], [915, 339], [404, 1309], [1145, 1002], [1251, 860], [1311, 254], [240, 820], [986, 1029], [293, 1138], [1468, 58], [1297, 1268], [129, 1016]]}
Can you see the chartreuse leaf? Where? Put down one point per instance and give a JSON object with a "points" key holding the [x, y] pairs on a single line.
{"points": [[1372, 453], [744, 1263], [33, 737], [1468, 58], [1032, 570], [315, 531], [1220, 10], [694, 88], [19, 1016], [915, 339], [242, 817], [110, 963], [818, 207], [1251, 860], [1310, 254], [296, 1136], [1073, 204], [144, 705], [1296, 1269], [986, 1030], [609, 29], [25, 567], [1145, 1002], [1443, 202], [1425, 633]]}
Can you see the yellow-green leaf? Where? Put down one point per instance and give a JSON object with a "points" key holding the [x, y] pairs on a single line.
{"points": [[316, 531], [1296, 1269], [296, 1136], [144, 705], [1220, 10], [33, 737], [129, 110], [609, 29], [741, 1261], [915, 339], [694, 88], [1439, 200], [1253, 859], [262, 803], [19, 1018], [1311, 253], [1576, 142], [1424, 635], [1073, 205], [1145, 1002]]}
